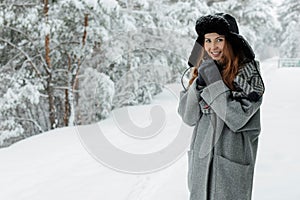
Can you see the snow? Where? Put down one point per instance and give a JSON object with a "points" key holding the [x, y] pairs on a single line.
{"points": [[277, 2], [109, 4], [277, 175], [57, 165], [91, 3]]}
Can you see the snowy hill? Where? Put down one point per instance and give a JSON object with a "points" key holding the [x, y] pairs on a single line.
{"points": [[59, 165]]}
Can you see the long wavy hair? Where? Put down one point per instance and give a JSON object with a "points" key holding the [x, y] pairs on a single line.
{"points": [[231, 62]]}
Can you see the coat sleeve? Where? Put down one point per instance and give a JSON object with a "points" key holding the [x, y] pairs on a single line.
{"points": [[188, 107], [234, 113]]}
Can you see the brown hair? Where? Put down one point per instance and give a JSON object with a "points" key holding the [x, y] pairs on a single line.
{"points": [[231, 61], [194, 72]]}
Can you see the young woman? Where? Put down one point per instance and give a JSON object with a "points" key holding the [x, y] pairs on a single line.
{"points": [[223, 103]]}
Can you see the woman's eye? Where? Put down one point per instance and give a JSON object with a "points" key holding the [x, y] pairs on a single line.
{"points": [[220, 40], [207, 41]]}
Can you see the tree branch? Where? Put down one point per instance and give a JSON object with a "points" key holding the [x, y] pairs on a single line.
{"points": [[19, 5], [33, 121], [25, 35], [24, 53]]}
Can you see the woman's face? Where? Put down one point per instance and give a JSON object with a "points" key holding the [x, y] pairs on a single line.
{"points": [[214, 45]]}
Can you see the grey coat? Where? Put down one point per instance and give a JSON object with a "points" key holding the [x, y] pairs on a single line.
{"points": [[223, 149]]}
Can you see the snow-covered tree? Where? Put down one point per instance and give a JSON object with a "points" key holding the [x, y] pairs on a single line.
{"points": [[20, 97], [80, 59], [21, 76], [51, 40], [288, 14], [95, 96]]}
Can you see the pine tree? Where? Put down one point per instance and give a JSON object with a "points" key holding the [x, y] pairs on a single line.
{"points": [[85, 58], [20, 72], [288, 14], [96, 95], [43, 48]]}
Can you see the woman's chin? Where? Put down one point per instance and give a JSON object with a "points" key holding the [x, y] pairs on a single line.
{"points": [[216, 57]]}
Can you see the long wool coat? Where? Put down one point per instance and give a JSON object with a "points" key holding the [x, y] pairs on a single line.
{"points": [[223, 149]]}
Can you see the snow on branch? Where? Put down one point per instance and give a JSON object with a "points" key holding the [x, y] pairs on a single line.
{"points": [[25, 54], [33, 121], [19, 5]]}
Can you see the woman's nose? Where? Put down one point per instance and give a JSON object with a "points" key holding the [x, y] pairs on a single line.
{"points": [[213, 45]]}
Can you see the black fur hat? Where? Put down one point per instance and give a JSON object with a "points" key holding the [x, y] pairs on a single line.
{"points": [[223, 24]]}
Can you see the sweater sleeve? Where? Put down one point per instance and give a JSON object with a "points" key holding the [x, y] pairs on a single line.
{"points": [[234, 113], [189, 108]]}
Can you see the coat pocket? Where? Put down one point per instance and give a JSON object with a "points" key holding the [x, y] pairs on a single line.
{"points": [[233, 180]]}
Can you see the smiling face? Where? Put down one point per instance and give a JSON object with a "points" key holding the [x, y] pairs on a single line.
{"points": [[214, 45]]}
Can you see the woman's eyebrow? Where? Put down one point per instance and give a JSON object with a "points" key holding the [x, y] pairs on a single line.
{"points": [[214, 38]]}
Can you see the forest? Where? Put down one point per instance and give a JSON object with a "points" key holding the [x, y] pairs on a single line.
{"points": [[71, 62]]}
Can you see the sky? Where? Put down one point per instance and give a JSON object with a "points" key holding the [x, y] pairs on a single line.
{"points": [[60, 164]]}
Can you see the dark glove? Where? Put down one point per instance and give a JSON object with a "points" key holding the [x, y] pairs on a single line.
{"points": [[253, 96], [209, 72], [200, 81]]}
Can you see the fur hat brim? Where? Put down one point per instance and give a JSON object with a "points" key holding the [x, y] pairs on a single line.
{"points": [[223, 24], [239, 42]]}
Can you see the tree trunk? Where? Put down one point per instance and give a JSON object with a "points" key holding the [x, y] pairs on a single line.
{"points": [[52, 115], [67, 103], [71, 93]]}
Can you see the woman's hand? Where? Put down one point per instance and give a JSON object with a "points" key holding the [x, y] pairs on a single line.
{"points": [[208, 72], [200, 81]]}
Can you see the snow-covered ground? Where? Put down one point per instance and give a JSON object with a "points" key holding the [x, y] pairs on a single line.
{"points": [[278, 163], [58, 165]]}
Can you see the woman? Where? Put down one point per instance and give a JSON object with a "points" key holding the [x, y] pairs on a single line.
{"points": [[223, 103]]}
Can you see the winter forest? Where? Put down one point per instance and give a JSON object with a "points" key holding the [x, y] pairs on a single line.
{"points": [[71, 62]]}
